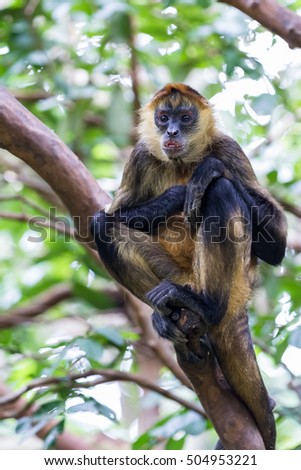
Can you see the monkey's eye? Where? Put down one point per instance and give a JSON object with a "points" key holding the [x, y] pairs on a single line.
{"points": [[186, 118], [163, 118]]}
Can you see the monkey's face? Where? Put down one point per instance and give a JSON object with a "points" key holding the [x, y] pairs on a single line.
{"points": [[176, 124]]}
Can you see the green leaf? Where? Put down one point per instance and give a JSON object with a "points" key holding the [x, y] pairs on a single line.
{"points": [[105, 152], [204, 3], [92, 348], [29, 426], [175, 444], [288, 434], [120, 29], [98, 299], [231, 60], [12, 4], [25, 369], [295, 339], [52, 435], [50, 409], [272, 177], [145, 442], [93, 406], [190, 422], [112, 335], [264, 104]]}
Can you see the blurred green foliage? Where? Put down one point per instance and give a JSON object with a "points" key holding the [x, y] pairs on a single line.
{"points": [[73, 63]]}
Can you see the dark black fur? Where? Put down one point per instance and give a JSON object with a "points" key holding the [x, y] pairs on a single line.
{"points": [[148, 216]]}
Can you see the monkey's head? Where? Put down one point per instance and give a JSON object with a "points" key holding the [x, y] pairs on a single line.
{"points": [[177, 125]]}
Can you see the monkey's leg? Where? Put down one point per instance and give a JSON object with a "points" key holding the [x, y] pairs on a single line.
{"points": [[131, 257], [226, 275]]}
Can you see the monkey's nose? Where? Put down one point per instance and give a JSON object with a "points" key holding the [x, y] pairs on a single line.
{"points": [[172, 132]]}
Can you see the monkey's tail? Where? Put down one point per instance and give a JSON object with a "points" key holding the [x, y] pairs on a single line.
{"points": [[233, 346]]}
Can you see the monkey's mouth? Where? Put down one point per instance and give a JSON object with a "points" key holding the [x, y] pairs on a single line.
{"points": [[172, 146]]}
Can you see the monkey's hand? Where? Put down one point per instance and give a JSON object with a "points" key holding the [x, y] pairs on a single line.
{"points": [[167, 329], [207, 171], [168, 297]]}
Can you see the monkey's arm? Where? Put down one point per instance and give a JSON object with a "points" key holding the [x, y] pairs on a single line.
{"points": [[207, 171], [147, 216], [267, 219]]}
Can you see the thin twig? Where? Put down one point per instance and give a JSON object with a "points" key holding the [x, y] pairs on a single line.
{"points": [[38, 221], [106, 375]]}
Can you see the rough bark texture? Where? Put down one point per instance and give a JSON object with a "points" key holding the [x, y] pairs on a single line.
{"points": [[273, 16]]}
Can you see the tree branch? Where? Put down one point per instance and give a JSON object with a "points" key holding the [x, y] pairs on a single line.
{"points": [[31, 96], [43, 151], [273, 16], [104, 376], [134, 71], [289, 207], [45, 301], [40, 221]]}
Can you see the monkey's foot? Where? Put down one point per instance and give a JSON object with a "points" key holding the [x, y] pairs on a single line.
{"points": [[167, 297], [166, 328]]}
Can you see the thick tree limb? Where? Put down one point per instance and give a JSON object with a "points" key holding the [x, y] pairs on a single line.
{"points": [[25, 136], [273, 16]]}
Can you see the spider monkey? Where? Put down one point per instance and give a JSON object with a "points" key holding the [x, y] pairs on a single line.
{"points": [[186, 229]]}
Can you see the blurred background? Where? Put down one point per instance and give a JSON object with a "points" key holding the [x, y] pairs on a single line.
{"points": [[83, 68]]}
